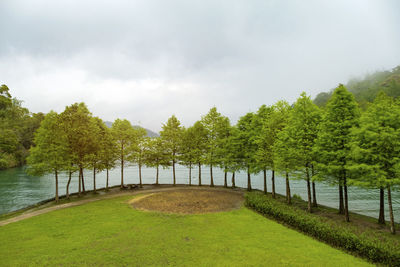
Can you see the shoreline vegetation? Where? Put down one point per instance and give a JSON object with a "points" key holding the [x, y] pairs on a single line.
{"points": [[361, 237], [339, 144]]}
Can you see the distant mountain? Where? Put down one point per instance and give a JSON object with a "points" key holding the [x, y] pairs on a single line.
{"points": [[366, 89], [149, 132]]}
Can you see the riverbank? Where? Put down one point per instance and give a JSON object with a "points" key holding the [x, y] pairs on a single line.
{"points": [[19, 190], [360, 223]]}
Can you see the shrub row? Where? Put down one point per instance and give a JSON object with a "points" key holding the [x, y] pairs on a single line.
{"points": [[369, 248]]}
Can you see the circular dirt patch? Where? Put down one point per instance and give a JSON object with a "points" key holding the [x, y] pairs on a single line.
{"points": [[189, 201]]}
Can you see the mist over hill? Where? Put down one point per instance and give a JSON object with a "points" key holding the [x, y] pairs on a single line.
{"points": [[367, 88], [150, 133]]}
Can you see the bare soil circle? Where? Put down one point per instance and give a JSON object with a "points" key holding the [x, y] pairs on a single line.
{"points": [[189, 201]]}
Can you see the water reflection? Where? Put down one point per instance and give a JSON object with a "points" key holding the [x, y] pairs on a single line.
{"points": [[18, 190]]}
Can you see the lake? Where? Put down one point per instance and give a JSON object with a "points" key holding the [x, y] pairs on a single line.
{"points": [[19, 190]]}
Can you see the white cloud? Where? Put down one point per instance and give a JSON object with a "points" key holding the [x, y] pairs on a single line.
{"points": [[147, 60]]}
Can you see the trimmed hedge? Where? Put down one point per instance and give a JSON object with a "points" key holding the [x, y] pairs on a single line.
{"points": [[369, 248]]}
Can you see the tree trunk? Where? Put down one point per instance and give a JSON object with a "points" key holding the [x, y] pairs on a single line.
{"points": [[308, 191], [233, 180], [273, 183], [265, 181], [190, 174], [381, 219], [157, 175], [173, 171], [226, 179], [288, 197], [248, 180], [69, 181], [392, 229], [56, 173], [212, 178], [122, 167], [79, 181], [314, 196], [94, 179], [346, 200], [140, 174], [107, 180], [341, 206], [199, 174], [83, 183]]}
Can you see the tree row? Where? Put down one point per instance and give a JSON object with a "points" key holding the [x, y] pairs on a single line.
{"points": [[339, 144]]}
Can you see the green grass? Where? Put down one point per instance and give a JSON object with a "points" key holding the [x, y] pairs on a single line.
{"points": [[109, 232]]}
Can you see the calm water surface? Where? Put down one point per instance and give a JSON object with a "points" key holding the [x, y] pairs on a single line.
{"points": [[18, 190]]}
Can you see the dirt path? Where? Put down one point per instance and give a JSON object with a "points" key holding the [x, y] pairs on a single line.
{"points": [[189, 201], [146, 189]]}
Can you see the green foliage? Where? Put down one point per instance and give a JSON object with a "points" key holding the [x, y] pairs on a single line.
{"points": [[371, 249], [51, 150], [223, 144], [109, 149], [188, 147], [5, 98], [216, 127], [296, 196], [376, 145], [247, 148], [198, 142], [17, 126], [294, 146], [260, 122], [77, 123], [273, 121], [171, 134], [155, 153], [333, 145], [124, 135], [365, 90], [140, 143]]}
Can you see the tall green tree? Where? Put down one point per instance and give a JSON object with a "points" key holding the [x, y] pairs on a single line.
{"points": [[188, 146], [76, 121], [155, 154], [333, 145], [376, 150], [17, 127], [140, 142], [222, 151], [214, 124], [171, 134], [302, 131], [275, 122], [285, 160], [233, 153], [246, 154], [109, 153], [199, 145], [124, 135], [95, 158], [262, 154], [51, 150]]}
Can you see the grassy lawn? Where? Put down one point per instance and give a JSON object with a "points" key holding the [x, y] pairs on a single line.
{"points": [[110, 232]]}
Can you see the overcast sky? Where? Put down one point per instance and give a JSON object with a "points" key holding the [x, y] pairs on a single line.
{"points": [[146, 60]]}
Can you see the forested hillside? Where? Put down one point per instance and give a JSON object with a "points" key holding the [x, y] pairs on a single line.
{"points": [[365, 90], [17, 127], [150, 133]]}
